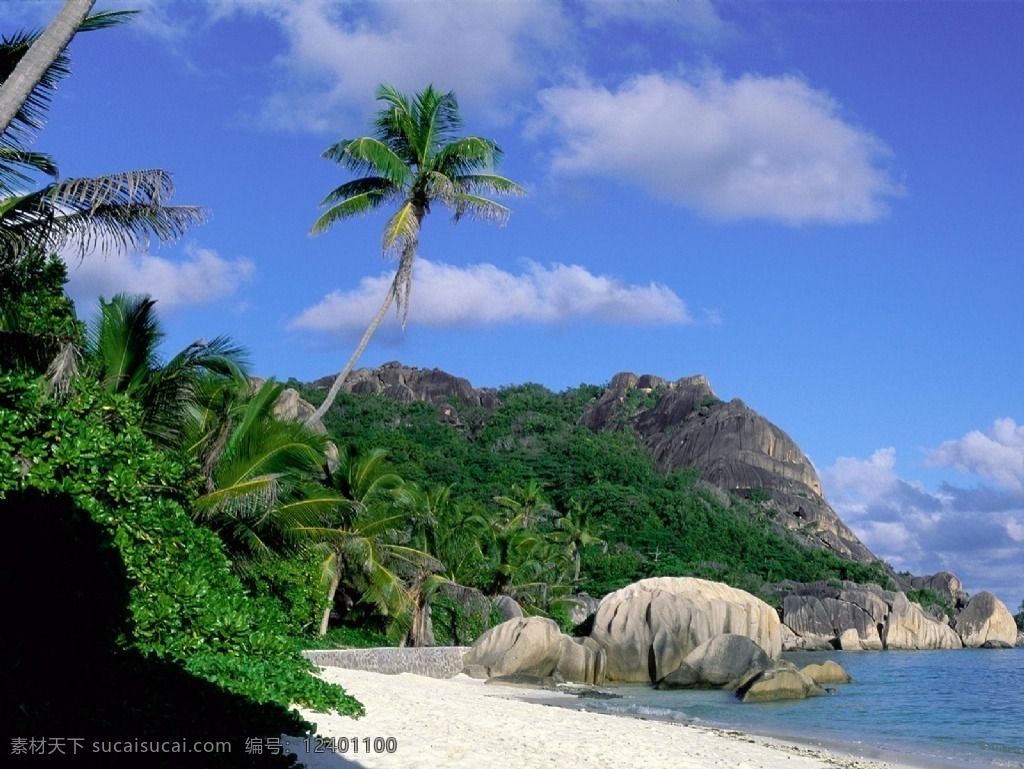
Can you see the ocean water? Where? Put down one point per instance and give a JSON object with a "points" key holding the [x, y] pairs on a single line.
{"points": [[937, 709]]}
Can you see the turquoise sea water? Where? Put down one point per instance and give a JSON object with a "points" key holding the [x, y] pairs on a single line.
{"points": [[961, 709]]}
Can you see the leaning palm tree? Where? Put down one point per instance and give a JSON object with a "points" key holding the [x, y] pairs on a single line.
{"points": [[119, 212], [416, 159], [43, 52]]}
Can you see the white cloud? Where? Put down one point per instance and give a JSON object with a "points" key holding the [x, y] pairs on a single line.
{"points": [[755, 147], [445, 296], [338, 53], [977, 533], [997, 454], [202, 277]]}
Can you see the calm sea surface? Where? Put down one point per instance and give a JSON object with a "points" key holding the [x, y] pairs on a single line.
{"points": [[924, 708]]}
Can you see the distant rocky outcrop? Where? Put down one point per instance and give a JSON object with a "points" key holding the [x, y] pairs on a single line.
{"points": [[648, 628], [684, 424], [986, 622], [407, 384], [860, 618]]}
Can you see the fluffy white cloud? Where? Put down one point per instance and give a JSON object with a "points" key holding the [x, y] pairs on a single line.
{"points": [[977, 533], [755, 147], [445, 296], [338, 53], [202, 277], [997, 454]]}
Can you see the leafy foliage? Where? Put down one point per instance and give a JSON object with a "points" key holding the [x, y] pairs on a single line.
{"points": [[640, 522], [186, 604]]}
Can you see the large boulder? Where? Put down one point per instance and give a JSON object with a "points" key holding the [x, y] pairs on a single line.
{"points": [[783, 682], [827, 672], [647, 628], [945, 584], [534, 647], [907, 627], [986, 622], [530, 645], [580, 660], [723, 662]]}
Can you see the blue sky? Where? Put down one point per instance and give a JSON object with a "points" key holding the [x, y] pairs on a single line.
{"points": [[817, 205]]}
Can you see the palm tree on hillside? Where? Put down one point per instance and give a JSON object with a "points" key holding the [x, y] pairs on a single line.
{"points": [[416, 159], [362, 541], [122, 353]]}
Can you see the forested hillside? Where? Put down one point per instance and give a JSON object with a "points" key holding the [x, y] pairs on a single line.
{"points": [[529, 457]]}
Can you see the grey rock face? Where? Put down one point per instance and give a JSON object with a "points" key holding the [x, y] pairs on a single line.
{"points": [[533, 646], [526, 645], [944, 584], [723, 662], [407, 384], [986, 622], [508, 606], [907, 627], [684, 424]]}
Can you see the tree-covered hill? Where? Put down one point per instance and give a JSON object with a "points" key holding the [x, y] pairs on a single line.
{"points": [[529, 442]]}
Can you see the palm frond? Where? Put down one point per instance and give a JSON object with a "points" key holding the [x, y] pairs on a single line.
{"points": [[480, 208], [245, 498], [122, 340], [369, 155], [122, 212], [364, 198], [12, 161], [466, 155], [63, 369]]}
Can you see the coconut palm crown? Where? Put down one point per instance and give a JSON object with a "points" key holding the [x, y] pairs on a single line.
{"points": [[414, 158]]}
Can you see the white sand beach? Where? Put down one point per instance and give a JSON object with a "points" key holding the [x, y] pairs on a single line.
{"points": [[461, 722]]}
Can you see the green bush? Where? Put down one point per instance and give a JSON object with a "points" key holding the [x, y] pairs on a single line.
{"points": [[186, 606]]}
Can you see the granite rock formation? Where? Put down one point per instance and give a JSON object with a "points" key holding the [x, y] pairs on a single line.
{"points": [[724, 662], [407, 384], [534, 646], [648, 628], [944, 584], [860, 618], [684, 424], [783, 682], [528, 645], [986, 621]]}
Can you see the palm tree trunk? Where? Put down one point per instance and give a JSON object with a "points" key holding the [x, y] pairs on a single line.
{"points": [[38, 58], [340, 379], [331, 592]]}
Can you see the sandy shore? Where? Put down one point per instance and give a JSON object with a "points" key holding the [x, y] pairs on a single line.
{"points": [[461, 722]]}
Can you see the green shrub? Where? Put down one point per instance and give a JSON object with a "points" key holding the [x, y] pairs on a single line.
{"points": [[185, 605]]}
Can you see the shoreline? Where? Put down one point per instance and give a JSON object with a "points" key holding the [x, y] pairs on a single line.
{"points": [[463, 722]]}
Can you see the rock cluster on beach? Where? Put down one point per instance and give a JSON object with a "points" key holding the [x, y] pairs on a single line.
{"points": [[867, 618], [673, 632]]}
